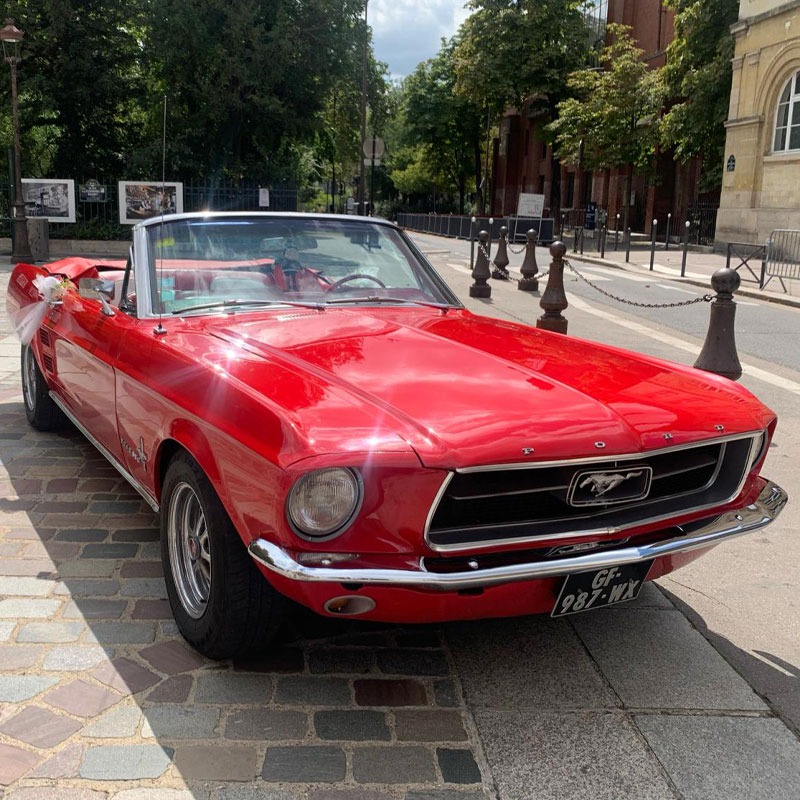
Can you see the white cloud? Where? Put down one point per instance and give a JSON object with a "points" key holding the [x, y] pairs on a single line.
{"points": [[406, 32]]}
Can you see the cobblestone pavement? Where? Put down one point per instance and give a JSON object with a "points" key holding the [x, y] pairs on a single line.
{"points": [[100, 698]]}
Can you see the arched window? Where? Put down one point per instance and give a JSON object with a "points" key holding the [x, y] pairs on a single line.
{"points": [[787, 118]]}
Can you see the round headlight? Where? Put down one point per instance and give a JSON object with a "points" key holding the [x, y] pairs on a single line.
{"points": [[322, 503]]}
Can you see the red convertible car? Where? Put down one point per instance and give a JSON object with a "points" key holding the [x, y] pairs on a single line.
{"points": [[317, 417]]}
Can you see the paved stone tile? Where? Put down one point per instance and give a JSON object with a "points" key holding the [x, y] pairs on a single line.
{"points": [[429, 726], [125, 676], [377, 692], [180, 722], [87, 608], [15, 688], [62, 793], [151, 609], [54, 550], [355, 726], [39, 727], [738, 758], [347, 794], [419, 637], [307, 691], [346, 660], [119, 723], [172, 657], [50, 632], [121, 632], [89, 568], [26, 566], [519, 663], [444, 794], [87, 588], [304, 764], [444, 693], [26, 587], [6, 628], [216, 762], [115, 507], [266, 724], [393, 764], [457, 765], [124, 762], [232, 687], [161, 794], [64, 764], [569, 754], [21, 608], [81, 535], [172, 690], [286, 660], [19, 656], [141, 569], [656, 659], [73, 658], [81, 698], [260, 791], [413, 662], [136, 535], [15, 762], [110, 551], [144, 587]]}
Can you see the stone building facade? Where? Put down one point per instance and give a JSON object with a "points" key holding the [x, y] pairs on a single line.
{"points": [[523, 162], [761, 181]]}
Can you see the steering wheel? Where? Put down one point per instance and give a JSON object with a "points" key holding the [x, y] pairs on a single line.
{"points": [[354, 277]]}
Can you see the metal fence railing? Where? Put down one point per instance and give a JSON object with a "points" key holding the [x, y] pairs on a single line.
{"points": [[741, 256], [99, 219], [783, 257], [459, 226]]}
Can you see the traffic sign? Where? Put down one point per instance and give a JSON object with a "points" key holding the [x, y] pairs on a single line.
{"points": [[368, 162], [380, 147]]}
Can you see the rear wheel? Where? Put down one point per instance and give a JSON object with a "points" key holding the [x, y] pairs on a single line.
{"points": [[223, 605], [42, 413]]}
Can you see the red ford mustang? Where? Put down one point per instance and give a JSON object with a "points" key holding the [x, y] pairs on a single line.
{"points": [[318, 418]]}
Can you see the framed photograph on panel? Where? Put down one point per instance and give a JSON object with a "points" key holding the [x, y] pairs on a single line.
{"points": [[140, 200], [51, 198]]}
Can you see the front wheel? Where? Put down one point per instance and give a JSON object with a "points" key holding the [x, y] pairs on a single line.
{"points": [[222, 604], [42, 413]]}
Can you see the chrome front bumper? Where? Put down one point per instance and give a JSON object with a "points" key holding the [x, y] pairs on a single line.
{"points": [[765, 509]]}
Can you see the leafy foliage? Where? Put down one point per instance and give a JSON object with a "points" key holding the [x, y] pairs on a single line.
{"points": [[698, 72]]}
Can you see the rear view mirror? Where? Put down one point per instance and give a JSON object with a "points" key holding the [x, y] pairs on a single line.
{"points": [[97, 289]]}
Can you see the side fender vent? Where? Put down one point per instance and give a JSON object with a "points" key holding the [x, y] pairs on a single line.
{"points": [[47, 362], [44, 337]]}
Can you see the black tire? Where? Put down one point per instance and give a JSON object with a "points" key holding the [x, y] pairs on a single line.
{"points": [[42, 413], [242, 612]]}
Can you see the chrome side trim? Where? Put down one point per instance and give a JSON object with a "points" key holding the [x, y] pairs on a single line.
{"points": [[608, 531], [151, 501], [568, 462], [729, 525]]}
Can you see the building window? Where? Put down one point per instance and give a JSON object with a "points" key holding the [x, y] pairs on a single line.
{"points": [[787, 118]]}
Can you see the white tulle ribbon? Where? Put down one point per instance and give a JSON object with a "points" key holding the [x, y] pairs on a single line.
{"points": [[29, 318]]}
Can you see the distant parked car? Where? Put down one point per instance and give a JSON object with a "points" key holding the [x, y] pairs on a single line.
{"points": [[317, 417]]}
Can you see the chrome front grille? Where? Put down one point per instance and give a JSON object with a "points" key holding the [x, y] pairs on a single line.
{"points": [[556, 500]]}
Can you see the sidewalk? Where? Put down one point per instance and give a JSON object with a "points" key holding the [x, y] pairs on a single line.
{"points": [[699, 268]]}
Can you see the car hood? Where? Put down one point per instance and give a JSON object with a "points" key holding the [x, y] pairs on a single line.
{"points": [[464, 390]]}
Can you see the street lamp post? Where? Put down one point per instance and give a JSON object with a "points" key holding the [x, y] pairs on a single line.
{"points": [[11, 37]]}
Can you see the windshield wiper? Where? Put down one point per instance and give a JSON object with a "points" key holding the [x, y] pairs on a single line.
{"points": [[380, 299], [238, 303]]}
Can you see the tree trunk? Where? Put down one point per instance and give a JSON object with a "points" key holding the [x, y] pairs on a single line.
{"points": [[478, 191], [555, 187], [626, 199]]}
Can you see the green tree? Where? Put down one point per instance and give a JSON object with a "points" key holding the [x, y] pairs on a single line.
{"points": [[515, 53], [445, 125], [612, 119], [698, 73]]}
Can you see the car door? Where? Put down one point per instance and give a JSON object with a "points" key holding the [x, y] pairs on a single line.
{"points": [[84, 345]]}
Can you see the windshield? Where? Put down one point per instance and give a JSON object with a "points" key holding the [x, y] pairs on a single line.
{"points": [[206, 263]]}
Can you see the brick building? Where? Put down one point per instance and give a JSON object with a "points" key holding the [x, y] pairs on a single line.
{"points": [[522, 161]]}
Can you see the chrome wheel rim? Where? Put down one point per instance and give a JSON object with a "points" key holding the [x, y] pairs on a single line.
{"points": [[189, 550], [29, 378]]}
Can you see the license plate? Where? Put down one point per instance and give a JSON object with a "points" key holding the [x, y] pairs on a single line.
{"points": [[601, 587]]}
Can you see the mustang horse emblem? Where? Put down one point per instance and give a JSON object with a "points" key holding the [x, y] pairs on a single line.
{"points": [[602, 482]]}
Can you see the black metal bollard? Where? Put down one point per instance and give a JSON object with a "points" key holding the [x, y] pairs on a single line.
{"points": [[666, 236], [603, 242], [583, 231], [481, 272], [616, 235], [686, 227], [530, 268], [575, 241], [719, 349], [500, 271], [653, 229], [627, 245], [554, 299], [489, 244], [563, 220], [472, 243]]}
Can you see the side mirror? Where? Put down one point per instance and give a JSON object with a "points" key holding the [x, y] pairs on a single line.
{"points": [[97, 289]]}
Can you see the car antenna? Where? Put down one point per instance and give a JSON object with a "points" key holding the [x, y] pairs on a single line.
{"points": [[160, 330]]}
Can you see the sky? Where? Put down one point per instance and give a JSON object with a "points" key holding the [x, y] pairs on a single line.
{"points": [[406, 32]]}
